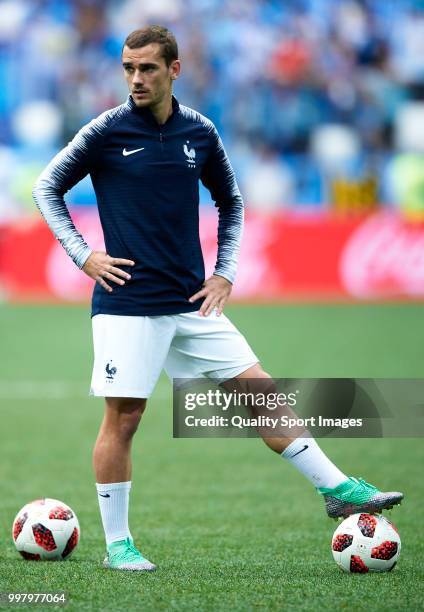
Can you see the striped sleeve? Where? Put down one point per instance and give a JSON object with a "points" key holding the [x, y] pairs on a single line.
{"points": [[218, 176], [65, 170]]}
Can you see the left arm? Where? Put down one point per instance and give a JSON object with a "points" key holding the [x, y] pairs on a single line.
{"points": [[218, 177]]}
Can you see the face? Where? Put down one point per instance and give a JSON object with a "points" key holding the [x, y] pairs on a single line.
{"points": [[149, 78]]}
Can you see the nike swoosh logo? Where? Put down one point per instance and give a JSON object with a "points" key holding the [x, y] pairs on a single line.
{"points": [[125, 152], [298, 452], [107, 495]]}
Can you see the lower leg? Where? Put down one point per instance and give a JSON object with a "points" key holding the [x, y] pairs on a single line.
{"points": [[299, 448], [112, 451], [112, 464]]}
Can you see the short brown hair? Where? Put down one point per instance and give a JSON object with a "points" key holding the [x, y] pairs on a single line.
{"points": [[154, 34]]}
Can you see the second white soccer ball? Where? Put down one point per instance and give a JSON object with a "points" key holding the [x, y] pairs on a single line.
{"points": [[366, 543]]}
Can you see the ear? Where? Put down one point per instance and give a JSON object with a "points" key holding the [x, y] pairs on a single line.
{"points": [[175, 69]]}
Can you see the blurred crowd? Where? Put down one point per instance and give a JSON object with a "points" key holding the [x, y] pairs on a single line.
{"points": [[302, 91]]}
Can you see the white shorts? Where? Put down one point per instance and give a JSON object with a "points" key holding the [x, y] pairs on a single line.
{"points": [[130, 352]]}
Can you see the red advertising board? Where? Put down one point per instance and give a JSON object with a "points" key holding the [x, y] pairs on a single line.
{"points": [[283, 256]]}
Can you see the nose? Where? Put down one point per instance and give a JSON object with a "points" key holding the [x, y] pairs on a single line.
{"points": [[138, 77]]}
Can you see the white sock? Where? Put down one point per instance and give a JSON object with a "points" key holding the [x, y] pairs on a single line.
{"points": [[309, 459], [113, 501]]}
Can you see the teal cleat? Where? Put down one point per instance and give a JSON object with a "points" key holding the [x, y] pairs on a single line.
{"points": [[123, 555], [353, 495]]}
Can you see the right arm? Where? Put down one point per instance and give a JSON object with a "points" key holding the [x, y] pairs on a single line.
{"points": [[65, 170]]}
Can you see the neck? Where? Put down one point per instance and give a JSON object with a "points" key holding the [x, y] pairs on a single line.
{"points": [[162, 111]]}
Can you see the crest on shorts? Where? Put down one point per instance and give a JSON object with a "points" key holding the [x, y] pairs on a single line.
{"points": [[110, 371]]}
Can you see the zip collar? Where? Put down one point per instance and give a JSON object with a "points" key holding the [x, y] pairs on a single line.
{"points": [[147, 114]]}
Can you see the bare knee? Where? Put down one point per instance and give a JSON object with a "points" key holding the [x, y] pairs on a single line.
{"points": [[255, 371], [122, 416], [253, 380]]}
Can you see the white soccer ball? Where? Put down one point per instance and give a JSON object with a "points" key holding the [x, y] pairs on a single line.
{"points": [[46, 529], [366, 543]]}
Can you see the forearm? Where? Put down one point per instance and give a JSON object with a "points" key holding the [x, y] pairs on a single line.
{"points": [[230, 230], [52, 206]]}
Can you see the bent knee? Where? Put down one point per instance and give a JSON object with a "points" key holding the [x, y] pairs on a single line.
{"points": [[260, 372], [254, 380], [255, 371]]}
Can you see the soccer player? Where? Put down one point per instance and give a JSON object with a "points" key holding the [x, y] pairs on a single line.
{"points": [[152, 307]]}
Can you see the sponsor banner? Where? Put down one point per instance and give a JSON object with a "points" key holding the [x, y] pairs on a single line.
{"points": [[283, 256]]}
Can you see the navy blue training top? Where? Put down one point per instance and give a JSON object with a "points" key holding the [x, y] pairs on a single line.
{"points": [[146, 179]]}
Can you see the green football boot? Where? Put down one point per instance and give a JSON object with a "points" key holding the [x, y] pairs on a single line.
{"points": [[123, 555], [353, 495]]}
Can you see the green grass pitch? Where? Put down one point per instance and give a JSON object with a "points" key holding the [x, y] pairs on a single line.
{"points": [[230, 525]]}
